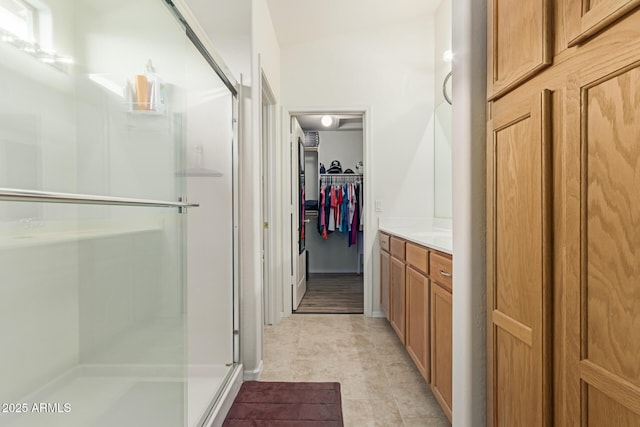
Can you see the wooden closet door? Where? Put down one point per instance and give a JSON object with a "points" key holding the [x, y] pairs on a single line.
{"points": [[587, 17], [519, 265], [603, 230], [519, 43]]}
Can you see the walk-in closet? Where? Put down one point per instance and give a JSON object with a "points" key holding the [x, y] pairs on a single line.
{"points": [[332, 192]]}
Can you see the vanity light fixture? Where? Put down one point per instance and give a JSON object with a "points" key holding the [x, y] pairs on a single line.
{"points": [[326, 121]]}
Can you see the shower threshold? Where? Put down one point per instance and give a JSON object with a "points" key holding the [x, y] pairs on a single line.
{"points": [[121, 395]]}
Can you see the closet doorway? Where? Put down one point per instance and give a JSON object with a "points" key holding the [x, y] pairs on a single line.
{"points": [[330, 192]]}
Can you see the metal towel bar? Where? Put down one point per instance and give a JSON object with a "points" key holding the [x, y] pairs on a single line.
{"points": [[18, 195]]}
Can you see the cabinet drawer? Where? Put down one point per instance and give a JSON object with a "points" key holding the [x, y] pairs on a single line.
{"points": [[397, 248], [384, 242], [417, 257], [441, 269]]}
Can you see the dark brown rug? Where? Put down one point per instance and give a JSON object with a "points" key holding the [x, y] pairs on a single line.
{"points": [[286, 404]]}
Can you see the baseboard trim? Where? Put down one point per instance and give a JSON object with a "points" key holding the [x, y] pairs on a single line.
{"points": [[219, 413], [379, 314], [255, 374]]}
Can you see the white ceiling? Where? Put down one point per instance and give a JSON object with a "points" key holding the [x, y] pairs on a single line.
{"points": [[298, 21]]}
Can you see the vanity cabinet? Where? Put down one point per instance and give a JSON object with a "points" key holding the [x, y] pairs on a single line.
{"points": [[440, 268], [417, 284]]}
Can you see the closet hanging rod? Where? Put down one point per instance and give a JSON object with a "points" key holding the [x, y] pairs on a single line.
{"points": [[18, 195]]}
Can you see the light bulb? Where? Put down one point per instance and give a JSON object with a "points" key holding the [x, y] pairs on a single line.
{"points": [[326, 121], [447, 56]]}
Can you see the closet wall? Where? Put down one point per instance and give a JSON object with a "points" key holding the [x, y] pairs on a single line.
{"points": [[333, 255]]}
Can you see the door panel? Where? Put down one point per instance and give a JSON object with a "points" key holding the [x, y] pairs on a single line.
{"points": [[384, 282], [606, 307], [519, 42], [397, 317], [417, 328], [441, 346], [605, 411], [518, 381], [519, 265], [587, 17]]}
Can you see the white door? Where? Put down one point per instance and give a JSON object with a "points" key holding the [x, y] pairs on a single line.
{"points": [[298, 253]]}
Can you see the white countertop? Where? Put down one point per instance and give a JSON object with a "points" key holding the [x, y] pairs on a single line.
{"points": [[422, 233]]}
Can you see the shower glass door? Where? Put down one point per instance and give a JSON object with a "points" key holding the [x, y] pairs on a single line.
{"points": [[114, 311]]}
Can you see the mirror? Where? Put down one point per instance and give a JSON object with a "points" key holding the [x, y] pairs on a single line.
{"points": [[442, 161]]}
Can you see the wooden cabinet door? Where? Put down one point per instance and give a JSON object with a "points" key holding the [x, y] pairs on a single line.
{"points": [[603, 235], [519, 265], [519, 42], [587, 17], [441, 344], [384, 282], [397, 317], [417, 331]]}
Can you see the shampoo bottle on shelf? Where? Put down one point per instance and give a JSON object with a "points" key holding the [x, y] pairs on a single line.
{"points": [[142, 92]]}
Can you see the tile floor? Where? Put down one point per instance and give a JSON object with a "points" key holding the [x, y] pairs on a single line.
{"points": [[380, 384]]}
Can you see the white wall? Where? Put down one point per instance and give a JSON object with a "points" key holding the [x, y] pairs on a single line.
{"points": [[390, 70], [442, 33], [344, 146], [469, 189], [265, 57]]}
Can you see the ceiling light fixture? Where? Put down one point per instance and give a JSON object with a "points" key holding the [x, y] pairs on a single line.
{"points": [[447, 56], [326, 121]]}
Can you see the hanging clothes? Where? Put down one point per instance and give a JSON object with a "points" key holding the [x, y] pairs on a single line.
{"points": [[341, 208], [327, 211], [355, 226], [338, 211], [332, 209], [322, 225], [361, 199]]}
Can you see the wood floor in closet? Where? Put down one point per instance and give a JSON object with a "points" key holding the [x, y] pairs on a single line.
{"points": [[333, 294]]}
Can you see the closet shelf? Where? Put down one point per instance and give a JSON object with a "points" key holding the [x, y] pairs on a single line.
{"points": [[341, 174]]}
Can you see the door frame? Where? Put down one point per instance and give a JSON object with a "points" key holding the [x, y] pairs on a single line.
{"points": [[268, 172], [297, 258], [370, 225]]}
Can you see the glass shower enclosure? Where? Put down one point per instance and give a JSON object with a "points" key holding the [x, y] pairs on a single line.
{"points": [[117, 194]]}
